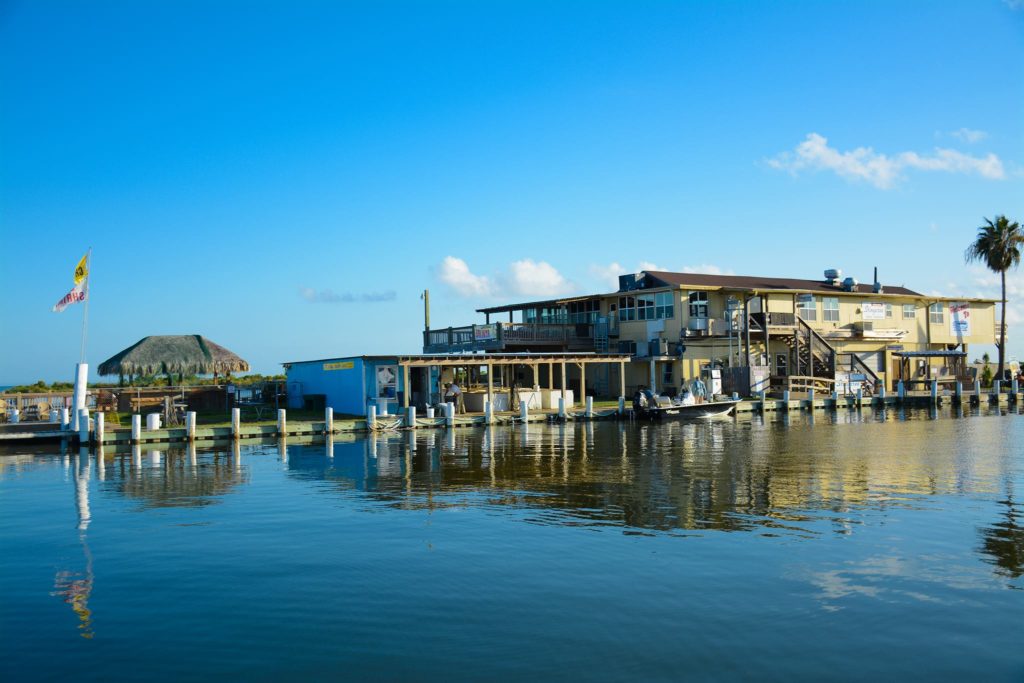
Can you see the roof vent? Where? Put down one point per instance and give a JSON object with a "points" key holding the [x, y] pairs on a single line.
{"points": [[850, 284], [833, 274]]}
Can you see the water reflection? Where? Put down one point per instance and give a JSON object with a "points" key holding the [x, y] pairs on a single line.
{"points": [[75, 588], [1003, 542], [747, 475]]}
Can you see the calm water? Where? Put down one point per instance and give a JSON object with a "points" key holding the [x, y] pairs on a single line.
{"points": [[840, 547]]}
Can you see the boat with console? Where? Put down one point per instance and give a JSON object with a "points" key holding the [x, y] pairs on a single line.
{"points": [[652, 406]]}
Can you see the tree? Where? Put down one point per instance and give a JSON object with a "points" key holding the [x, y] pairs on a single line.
{"points": [[998, 245]]}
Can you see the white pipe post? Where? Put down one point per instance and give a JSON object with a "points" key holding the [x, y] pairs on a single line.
{"points": [[430, 412], [881, 394], [524, 411], [99, 427], [54, 416], [561, 407], [449, 409], [977, 391], [860, 396], [488, 413], [190, 425], [958, 389], [996, 389], [763, 403], [622, 405], [65, 419], [282, 421], [935, 391], [589, 409], [810, 399], [785, 399], [78, 393], [329, 420], [1014, 388], [901, 391], [136, 428], [83, 426], [410, 417], [236, 423], [371, 416]]}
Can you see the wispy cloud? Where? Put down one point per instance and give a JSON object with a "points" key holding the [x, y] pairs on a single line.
{"points": [[525, 277], [881, 170], [327, 296], [969, 135], [1014, 4], [707, 269], [609, 274]]}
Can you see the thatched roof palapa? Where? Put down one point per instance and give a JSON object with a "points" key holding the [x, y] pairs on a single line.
{"points": [[188, 354]]}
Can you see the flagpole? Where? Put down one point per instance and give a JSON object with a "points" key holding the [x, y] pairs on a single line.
{"points": [[85, 311]]}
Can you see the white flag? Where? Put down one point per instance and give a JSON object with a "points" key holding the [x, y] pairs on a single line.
{"points": [[79, 293]]}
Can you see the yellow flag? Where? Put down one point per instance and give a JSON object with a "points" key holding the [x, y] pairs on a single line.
{"points": [[82, 270]]}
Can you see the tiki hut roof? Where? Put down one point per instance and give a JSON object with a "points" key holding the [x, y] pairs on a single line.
{"points": [[179, 353]]}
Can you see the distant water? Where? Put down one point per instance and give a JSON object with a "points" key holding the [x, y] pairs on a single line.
{"points": [[840, 547]]}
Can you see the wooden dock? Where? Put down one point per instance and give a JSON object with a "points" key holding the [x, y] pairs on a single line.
{"points": [[30, 432]]}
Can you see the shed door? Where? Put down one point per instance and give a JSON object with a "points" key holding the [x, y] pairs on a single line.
{"points": [[874, 360]]}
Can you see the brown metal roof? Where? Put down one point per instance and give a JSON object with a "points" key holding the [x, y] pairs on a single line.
{"points": [[749, 282]]}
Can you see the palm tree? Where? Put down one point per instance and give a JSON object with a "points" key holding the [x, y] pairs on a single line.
{"points": [[998, 246]]}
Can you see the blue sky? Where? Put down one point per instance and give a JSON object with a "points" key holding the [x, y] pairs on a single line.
{"points": [[286, 178]]}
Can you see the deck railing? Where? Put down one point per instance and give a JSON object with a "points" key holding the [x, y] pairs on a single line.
{"points": [[496, 336]]}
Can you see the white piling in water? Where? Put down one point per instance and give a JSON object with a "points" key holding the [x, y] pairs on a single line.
{"points": [[282, 421], [65, 418], [136, 428], [328, 420], [54, 416], [977, 391], [860, 396], [622, 405], [410, 417], [488, 412], [430, 412], [935, 391], [882, 394], [83, 426], [236, 423], [371, 417], [589, 407], [997, 387], [190, 425], [810, 399], [99, 427], [561, 407], [785, 399], [901, 391], [1014, 389], [524, 411], [958, 390], [449, 414], [15, 416]]}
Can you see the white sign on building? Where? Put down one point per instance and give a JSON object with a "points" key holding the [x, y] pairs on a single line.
{"points": [[960, 319], [872, 311]]}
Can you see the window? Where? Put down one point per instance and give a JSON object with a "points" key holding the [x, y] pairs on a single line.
{"points": [[627, 308], [807, 309], [666, 376], [698, 304], [888, 310], [909, 311], [935, 314], [830, 309], [663, 306], [645, 307], [584, 311]]}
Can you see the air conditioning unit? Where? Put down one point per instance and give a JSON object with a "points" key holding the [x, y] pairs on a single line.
{"points": [[701, 326]]}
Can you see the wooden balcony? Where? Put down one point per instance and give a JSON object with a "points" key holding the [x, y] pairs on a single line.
{"points": [[509, 336]]}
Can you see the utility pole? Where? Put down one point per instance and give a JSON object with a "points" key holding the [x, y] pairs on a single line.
{"points": [[426, 309]]}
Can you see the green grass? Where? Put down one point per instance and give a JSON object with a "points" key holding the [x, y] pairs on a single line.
{"points": [[222, 418]]}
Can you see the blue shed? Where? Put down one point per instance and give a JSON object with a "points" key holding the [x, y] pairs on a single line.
{"points": [[349, 384]]}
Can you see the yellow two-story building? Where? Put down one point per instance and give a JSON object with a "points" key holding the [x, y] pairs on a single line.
{"points": [[826, 333]]}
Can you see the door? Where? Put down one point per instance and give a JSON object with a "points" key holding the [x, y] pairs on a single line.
{"points": [[782, 364]]}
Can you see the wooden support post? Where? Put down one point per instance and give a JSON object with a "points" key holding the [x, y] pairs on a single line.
{"points": [[563, 378], [405, 386], [551, 375], [583, 381], [622, 379], [490, 384], [767, 346], [533, 370]]}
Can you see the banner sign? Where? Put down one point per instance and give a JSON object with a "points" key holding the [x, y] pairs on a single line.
{"points": [[75, 296], [343, 365], [872, 311], [485, 332], [960, 319]]}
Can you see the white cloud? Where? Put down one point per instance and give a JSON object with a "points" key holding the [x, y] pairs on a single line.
{"points": [[968, 135], [1014, 4], [647, 265], [987, 285], [534, 278], [455, 273], [327, 296], [707, 269], [608, 275], [880, 170], [525, 277]]}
